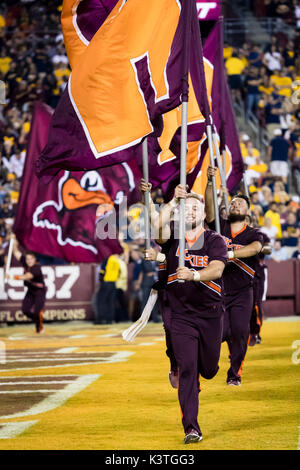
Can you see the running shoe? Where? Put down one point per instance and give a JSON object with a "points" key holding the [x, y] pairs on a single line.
{"points": [[252, 340], [174, 379], [258, 339], [234, 382], [192, 436]]}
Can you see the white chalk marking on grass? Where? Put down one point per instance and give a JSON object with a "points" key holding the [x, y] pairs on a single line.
{"points": [[77, 336], [145, 344], [36, 376], [52, 359], [159, 339], [58, 398], [10, 430], [16, 392], [65, 350], [54, 367], [120, 356], [55, 382], [283, 319], [17, 337]]}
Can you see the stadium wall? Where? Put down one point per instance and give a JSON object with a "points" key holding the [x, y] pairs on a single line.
{"points": [[70, 291]]}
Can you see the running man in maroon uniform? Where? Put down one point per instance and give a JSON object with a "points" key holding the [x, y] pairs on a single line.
{"points": [[259, 287], [243, 243], [35, 297], [157, 219], [195, 306]]}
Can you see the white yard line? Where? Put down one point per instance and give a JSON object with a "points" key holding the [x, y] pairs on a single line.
{"points": [[16, 392], [120, 356], [58, 398], [10, 430], [55, 382], [65, 350], [295, 318]]}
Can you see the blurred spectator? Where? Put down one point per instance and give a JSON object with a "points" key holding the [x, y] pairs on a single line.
{"points": [[252, 82], [273, 214], [289, 55], [290, 231], [6, 210], [234, 66], [270, 230], [272, 59], [255, 57], [258, 213], [279, 253], [15, 164], [279, 193], [227, 51], [278, 153], [106, 296], [296, 253], [265, 197], [135, 296], [146, 279], [121, 288], [273, 111], [281, 82]]}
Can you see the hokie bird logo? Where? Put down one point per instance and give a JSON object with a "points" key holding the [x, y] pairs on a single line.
{"points": [[82, 197]]}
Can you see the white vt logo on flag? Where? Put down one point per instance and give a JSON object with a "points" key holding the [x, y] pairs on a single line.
{"points": [[204, 7]]}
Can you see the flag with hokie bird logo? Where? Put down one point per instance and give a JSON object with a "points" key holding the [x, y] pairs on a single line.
{"points": [[126, 73], [59, 219]]}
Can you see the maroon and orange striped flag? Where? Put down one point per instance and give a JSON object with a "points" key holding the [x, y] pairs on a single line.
{"points": [[126, 58]]}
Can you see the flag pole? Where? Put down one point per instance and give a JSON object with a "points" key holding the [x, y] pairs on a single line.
{"points": [[9, 256], [183, 143], [221, 168], [199, 64], [246, 190], [183, 152], [214, 185], [147, 195]]}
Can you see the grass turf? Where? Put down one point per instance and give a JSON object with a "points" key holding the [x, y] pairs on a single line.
{"points": [[132, 405]]}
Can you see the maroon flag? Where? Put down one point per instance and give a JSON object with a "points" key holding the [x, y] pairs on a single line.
{"points": [[126, 73], [164, 165], [59, 219]]}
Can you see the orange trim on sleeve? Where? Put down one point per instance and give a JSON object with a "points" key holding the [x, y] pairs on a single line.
{"points": [[214, 286], [173, 277]]}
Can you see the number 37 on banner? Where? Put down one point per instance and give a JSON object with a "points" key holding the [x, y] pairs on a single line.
{"points": [[59, 281]]}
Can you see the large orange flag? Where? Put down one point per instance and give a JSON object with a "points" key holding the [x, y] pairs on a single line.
{"points": [[126, 73]]}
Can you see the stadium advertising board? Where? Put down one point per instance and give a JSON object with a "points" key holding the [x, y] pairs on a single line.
{"points": [[69, 293]]}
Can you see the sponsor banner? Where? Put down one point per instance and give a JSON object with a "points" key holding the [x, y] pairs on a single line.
{"points": [[209, 10], [67, 298]]}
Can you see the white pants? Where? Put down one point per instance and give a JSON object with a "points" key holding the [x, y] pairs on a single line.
{"points": [[279, 168]]}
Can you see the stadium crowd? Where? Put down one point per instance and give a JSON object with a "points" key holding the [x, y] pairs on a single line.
{"points": [[34, 67]]}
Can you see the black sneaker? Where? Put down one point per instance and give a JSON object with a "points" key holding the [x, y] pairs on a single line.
{"points": [[192, 436], [174, 378], [253, 340], [258, 340]]}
